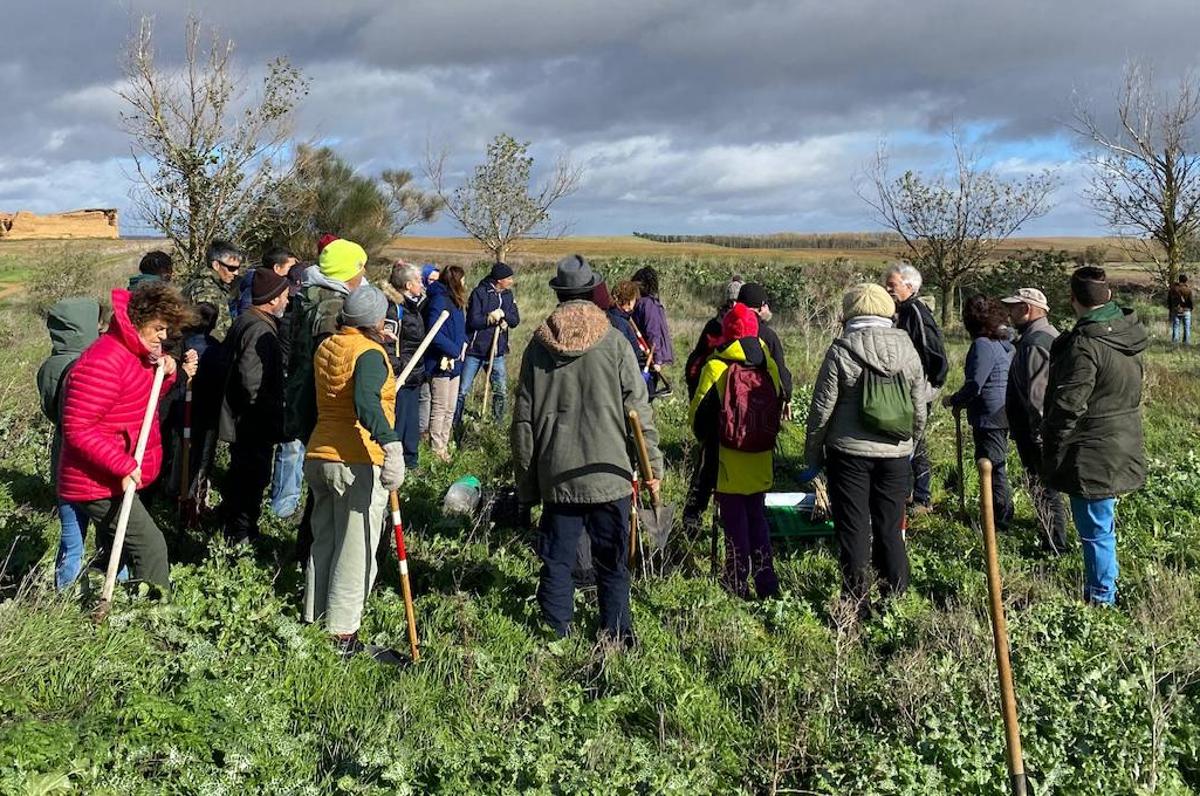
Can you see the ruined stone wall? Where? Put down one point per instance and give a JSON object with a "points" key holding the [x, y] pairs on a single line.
{"points": [[24, 225]]}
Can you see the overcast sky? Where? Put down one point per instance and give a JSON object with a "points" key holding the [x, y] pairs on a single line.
{"points": [[687, 115]]}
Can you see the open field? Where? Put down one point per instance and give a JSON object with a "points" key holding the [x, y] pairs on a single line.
{"points": [[223, 690]]}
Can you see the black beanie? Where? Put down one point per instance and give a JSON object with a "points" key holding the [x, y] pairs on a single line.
{"points": [[500, 271], [1090, 288], [266, 286], [753, 295]]}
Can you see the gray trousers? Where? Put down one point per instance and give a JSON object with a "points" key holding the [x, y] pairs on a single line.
{"points": [[347, 521]]}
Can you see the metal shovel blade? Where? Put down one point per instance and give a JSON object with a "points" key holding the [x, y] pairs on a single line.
{"points": [[656, 525]]}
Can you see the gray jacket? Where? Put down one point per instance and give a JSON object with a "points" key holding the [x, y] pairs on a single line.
{"points": [[833, 416], [1027, 379], [570, 435]]}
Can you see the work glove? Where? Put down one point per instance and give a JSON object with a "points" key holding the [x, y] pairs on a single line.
{"points": [[495, 316], [391, 475], [446, 364]]}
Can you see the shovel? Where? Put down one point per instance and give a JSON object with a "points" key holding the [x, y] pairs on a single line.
{"points": [[187, 507], [114, 556], [405, 587], [655, 522], [487, 384], [1008, 698]]}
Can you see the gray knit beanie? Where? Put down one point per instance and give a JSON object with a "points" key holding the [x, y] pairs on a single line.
{"points": [[364, 307]]}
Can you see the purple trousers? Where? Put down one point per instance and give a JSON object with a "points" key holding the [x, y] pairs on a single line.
{"points": [[747, 545]]}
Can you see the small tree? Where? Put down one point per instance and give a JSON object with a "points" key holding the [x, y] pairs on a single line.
{"points": [[953, 224], [1146, 173], [409, 204], [205, 162], [496, 205]]}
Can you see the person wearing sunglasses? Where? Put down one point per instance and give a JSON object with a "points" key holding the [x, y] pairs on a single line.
{"points": [[218, 285]]}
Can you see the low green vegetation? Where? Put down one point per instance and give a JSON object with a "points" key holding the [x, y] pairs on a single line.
{"points": [[223, 690]]}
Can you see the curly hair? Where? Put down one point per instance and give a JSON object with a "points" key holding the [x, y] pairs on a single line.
{"points": [[625, 292], [159, 301], [985, 317]]}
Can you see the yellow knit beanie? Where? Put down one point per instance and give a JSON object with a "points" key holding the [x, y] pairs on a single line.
{"points": [[867, 299], [342, 260]]}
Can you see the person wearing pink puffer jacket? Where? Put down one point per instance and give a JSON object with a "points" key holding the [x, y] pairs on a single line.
{"points": [[104, 401]]}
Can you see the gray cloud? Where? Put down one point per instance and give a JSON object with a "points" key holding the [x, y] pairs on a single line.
{"points": [[689, 114]]}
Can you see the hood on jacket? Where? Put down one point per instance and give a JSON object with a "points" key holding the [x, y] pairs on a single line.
{"points": [[73, 325], [573, 329], [121, 328], [1117, 328], [878, 347], [314, 277], [393, 295], [747, 350]]}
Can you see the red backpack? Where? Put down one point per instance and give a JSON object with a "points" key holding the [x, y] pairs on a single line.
{"points": [[750, 410]]}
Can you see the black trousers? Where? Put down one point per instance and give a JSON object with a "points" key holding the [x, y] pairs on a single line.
{"points": [[607, 527], [250, 463], [868, 497], [1050, 507], [922, 470], [992, 444], [145, 548], [702, 482]]}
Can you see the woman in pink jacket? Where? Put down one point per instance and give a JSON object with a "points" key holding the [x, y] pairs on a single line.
{"points": [[104, 400]]}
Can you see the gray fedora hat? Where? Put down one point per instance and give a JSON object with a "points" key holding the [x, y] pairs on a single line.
{"points": [[574, 276]]}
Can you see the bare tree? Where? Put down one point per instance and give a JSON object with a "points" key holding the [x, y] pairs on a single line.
{"points": [[496, 205], [205, 160], [409, 204], [1145, 173], [952, 224]]}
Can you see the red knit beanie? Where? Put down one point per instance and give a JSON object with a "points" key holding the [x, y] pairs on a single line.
{"points": [[739, 322], [324, 241]]}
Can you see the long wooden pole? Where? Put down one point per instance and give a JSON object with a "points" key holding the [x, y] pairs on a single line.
{"points": [[410, 614], [1008, 697], [487, 385], [416, 357], [139, 452]]}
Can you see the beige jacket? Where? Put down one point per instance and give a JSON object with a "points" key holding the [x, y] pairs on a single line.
{"points": [[833, 416]]}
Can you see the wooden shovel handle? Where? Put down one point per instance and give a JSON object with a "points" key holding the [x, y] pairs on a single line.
{"points": [[639, 439]]}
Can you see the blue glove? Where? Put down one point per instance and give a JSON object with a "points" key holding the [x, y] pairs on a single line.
{"points": [[809, 474]]}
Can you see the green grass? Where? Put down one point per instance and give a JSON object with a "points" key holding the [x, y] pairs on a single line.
{"points": [[223, 690]]}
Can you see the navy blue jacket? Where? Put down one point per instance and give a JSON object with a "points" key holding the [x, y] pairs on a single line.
{"points": [[450, 339], [983, 392], [485, 299], [623, 323]]}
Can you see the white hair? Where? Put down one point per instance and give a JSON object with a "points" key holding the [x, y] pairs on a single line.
{"points": [[908, 275]]}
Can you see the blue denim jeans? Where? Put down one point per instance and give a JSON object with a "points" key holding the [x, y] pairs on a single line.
{"points": [[69, 561], [287, 478], [1096, 522], [471, 368], [1181, 328]]}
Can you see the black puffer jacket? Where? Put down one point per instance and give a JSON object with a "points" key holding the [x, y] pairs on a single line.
{"points": [[405, 320], [253, 397], [1092, 433]]}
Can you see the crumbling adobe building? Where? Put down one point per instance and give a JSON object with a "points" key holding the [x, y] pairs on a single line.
{"points": [[90, 223]]}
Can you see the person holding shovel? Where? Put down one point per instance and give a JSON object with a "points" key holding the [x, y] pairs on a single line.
{"points": [[982, 395], [1025, 402], [570, 441], [444, 357], [491, 312], [404, 330], [353, 460], [739, 403], [104, 404]]}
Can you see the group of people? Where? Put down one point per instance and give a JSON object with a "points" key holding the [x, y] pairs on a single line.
{"points": [[308, 374], [311, 374]]}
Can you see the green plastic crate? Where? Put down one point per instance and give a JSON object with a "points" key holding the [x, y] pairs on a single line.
{"points": [[789, 516]]}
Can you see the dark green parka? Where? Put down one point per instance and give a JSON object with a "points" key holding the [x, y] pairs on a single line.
{"points": [[1092, 430]]}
